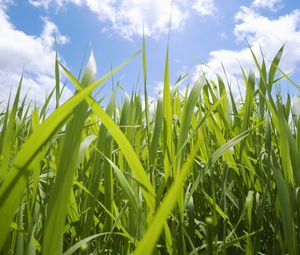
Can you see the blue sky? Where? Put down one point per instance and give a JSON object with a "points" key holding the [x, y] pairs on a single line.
{"points": [[202, 32]]}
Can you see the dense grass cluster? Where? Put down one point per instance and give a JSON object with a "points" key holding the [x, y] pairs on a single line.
{"points": [[201, 174]]}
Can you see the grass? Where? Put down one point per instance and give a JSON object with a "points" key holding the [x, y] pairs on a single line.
{"points": [[201, 174]]}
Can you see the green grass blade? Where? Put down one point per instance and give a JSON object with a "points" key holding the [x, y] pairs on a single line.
{"points": [[9, 135], [60, 194], [148, 242], [16, 179], [57, 81], [147, 114], [125, 146], [274, 66], [167, 124]]}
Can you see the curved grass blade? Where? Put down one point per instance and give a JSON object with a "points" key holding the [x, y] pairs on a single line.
{"points": [[82, 243], [67, 163], [125, 146], [167, 123], [17, 177], [148, 242]]}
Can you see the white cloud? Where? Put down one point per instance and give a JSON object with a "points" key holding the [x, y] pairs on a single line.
{"points": [[271, 34], [47, 3], [273, 5], [33, 54], [259, 31], [128, 17], [204, 7]]}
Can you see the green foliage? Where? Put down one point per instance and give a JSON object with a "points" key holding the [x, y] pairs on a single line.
{"points": [[198, 174]]}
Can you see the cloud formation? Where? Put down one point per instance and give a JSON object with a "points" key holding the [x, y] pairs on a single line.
{"points": [[259, 31], [272, 5], [48, 3], [35, 55], [204, 7], [129, 17]]}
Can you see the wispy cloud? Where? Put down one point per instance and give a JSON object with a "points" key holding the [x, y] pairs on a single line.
{"points": [[48, 3], [273, 5]]}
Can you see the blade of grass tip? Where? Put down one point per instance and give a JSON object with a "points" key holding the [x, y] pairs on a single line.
{"points": [[222, 92], [285, 75], [125, 146], [261, 70], [44, 109], [22, 106], [274, 67], [83, 61], [17, 176], [9, 133], [26, 114]]}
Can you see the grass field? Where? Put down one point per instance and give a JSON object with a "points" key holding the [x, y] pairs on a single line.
{"points": [[201, 174]]}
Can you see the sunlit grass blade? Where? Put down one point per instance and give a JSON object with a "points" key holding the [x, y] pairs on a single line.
{"points": [[148, 242], [9, 135], [60, 194], [57, 81], [274, 66], [125, 146], [147, 112], [16, 179], [206, 169], [167, 123]]}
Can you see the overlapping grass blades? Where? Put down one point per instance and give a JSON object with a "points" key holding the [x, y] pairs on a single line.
{"points": [[200, 173], [67, 163]]}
